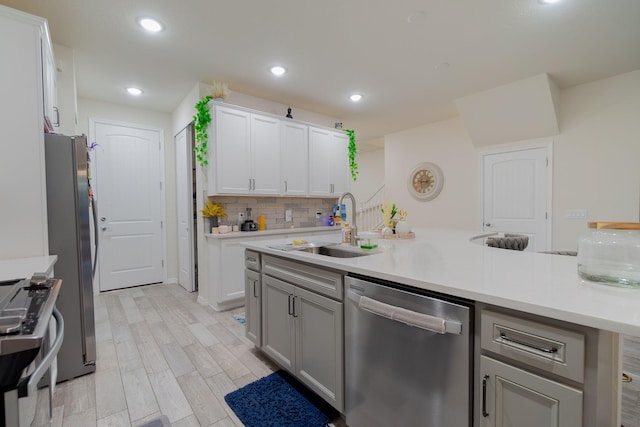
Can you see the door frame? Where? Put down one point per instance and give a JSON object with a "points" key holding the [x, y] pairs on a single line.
{"points": [[163, 216], [510, 148], [189, 130]]}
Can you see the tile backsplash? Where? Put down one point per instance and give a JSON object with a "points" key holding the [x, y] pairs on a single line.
{"points": [[303, 210]]}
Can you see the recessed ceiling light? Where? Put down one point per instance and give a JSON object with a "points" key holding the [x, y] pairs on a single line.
{"points": [[134, 91], [278, 70], [150, 25], [549, 1], [355, 97]]}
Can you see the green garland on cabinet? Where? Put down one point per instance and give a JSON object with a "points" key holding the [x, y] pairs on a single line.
{"points": [[201, 123], [353, 148]]}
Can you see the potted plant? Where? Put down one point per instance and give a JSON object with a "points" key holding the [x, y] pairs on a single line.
{"points": [[213, 211], [353, 148], [219, 91]]}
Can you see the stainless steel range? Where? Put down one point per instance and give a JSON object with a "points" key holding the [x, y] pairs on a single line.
{"points": [[26, 308]]}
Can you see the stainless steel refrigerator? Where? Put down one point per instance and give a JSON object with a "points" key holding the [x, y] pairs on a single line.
{"points": [[69, 238]]}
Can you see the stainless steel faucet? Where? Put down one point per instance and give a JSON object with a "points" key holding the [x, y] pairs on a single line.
{"points": [[354, 228]]}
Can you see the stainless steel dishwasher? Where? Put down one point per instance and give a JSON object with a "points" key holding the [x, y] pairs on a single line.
{"points": [[408, 357]]}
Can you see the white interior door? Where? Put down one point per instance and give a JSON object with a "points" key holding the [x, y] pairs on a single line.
{"points": [[516, 194], [184, 202], [128, 184]]}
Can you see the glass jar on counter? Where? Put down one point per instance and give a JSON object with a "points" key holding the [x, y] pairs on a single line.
{"points": [[610, 253]]}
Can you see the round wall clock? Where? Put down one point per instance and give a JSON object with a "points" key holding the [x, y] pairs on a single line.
{"points": [[425, 181]]}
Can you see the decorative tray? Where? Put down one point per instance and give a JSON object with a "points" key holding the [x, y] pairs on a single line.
{"points": [[409, 235]]}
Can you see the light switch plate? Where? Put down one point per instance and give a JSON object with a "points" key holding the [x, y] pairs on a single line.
{"points": [[287, 216], [240, 216], [576, 214]]}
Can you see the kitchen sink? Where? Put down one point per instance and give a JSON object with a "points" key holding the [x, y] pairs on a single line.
{"points": [[338, 251]]}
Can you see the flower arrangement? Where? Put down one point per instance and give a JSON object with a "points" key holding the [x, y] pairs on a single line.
{"points": [[389, 210], [219, 90], [213, 209]]}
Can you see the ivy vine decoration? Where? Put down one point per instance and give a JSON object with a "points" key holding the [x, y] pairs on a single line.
{"points": [[201, 123], [353, 165]]}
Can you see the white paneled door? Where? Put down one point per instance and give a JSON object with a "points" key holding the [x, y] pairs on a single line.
{"points": [[128, 183], [184, 207], [516, 194]]}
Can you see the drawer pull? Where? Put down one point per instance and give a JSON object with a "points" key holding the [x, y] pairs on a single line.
{"points": [[250, 259], [551, 350]]}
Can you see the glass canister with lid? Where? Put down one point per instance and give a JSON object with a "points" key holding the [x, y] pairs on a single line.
{"points": [[610, 253]]}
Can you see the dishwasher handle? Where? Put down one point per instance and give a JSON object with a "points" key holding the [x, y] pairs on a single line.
{"points": [[412, 318]]}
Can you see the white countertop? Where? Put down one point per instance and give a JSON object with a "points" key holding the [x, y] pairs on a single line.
{"points": [[275, 232], [447, 261], [20, 268]]}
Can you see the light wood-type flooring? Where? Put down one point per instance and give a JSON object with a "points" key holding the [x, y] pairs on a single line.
{"points": [[159, 352]]}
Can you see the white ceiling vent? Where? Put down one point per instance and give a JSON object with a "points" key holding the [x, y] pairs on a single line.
{"points": [[518, 111]]}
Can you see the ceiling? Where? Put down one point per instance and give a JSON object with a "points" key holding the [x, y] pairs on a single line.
{"points": [[410, 59]]}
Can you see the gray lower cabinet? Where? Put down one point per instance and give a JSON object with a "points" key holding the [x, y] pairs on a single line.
{"points": [[518, 398], [303, 333]]}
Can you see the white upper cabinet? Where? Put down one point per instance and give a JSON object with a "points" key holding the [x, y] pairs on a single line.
{"points": [[244, 154], [328, 162], [265, 154], [339, 165], [49, 77], [295, 159], [260, 154], [229, 152]]}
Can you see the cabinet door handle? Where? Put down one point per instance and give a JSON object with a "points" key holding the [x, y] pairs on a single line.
{"points": [[294, 306], [290, 304], [249, 184], [551, 350], [484, 396], [255, 294], [57, 123], [285, 187]]}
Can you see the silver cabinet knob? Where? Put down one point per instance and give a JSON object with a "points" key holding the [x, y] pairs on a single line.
{"points": [[104, 228], [103, 219], [487, 225]]}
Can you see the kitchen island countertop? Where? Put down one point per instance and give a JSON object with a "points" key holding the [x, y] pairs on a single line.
{"points": [[447, 261]]}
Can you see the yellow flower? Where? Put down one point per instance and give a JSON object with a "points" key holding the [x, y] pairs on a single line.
{"points": [[212, 209]]}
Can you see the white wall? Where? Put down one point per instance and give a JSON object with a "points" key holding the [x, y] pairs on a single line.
{"points": [[88, 108], [597, 156], [596, 162], [370, 174], [446, 144]]}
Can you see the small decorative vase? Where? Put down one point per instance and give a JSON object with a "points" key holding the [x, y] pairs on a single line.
{"points": [[386, 231], [403, 227], [213, 222]]}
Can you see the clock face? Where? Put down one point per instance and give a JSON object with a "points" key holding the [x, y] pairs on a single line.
{"points": [[425, 181]]}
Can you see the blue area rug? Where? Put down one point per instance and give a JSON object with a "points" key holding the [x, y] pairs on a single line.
{"points": [[279, 400]]}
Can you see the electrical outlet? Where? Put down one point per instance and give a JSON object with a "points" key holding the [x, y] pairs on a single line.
{"points": [[318, 215], [287, 216], [240, 216]]}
